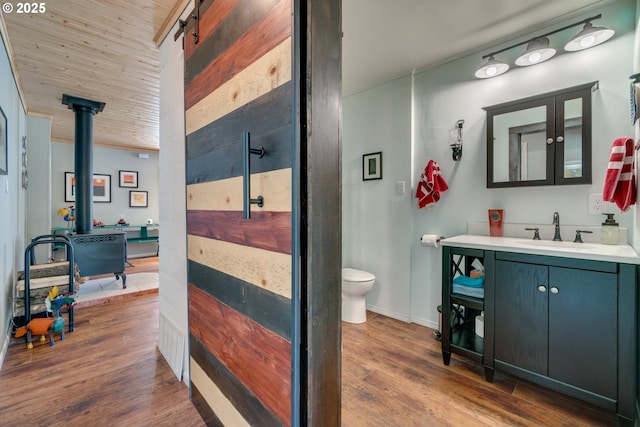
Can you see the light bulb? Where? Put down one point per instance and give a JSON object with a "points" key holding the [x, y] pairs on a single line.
{"points": [[534, 57], [587, 41]]}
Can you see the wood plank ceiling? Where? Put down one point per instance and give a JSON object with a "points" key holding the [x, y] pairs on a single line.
{"points": [[103, 50]]}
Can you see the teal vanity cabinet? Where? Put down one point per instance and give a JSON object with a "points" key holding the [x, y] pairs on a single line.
{"points": [[562, 317], [568, 324], [459, 311]]}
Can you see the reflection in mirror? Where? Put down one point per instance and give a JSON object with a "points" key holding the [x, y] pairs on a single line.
{"points": [[520, 149], [573, 138]]}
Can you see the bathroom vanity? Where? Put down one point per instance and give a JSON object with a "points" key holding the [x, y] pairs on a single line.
{"points": [[559, 314]]}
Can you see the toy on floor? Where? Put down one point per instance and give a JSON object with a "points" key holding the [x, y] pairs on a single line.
{"points": [[48, 325], [42, 326]]}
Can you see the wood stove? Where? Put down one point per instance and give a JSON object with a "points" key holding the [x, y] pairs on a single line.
{"points": [[95, 252]]}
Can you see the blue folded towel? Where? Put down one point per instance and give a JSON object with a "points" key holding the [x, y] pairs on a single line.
{"points": [[468, 291], [478, 282]]}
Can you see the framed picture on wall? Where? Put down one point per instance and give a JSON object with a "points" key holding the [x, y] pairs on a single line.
{"points": [[128, 179], [138, 199], [4, 160], [101, 188], [372, 166]]}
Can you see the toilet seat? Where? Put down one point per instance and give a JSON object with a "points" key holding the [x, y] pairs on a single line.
{"points": [[353, 275]]}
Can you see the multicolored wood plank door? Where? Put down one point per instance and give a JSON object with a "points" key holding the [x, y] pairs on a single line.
{"points": [[252, 326]]}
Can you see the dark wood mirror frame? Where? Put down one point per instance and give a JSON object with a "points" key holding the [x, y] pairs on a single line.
{"points": [[554, 125]]}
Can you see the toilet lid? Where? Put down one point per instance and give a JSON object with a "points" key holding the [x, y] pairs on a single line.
{"points": [[353, 275]]}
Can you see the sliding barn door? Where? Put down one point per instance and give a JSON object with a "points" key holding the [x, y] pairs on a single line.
{"points": [[252, 328]]}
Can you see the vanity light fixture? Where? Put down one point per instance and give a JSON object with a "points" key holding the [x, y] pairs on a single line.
{"points": [[538, 51], [589, 36], [492, 68], [538, 48]]}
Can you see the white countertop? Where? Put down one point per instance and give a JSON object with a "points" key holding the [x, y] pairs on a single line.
{"points": [[594, 251]]}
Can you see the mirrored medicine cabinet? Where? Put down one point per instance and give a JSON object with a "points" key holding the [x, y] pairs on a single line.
{"points": [[541, 140]]}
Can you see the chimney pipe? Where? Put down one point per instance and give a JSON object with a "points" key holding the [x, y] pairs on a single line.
{"points": [[84, 110]]}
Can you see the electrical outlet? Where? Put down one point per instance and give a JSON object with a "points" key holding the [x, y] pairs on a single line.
{"points": [[598, 206]]}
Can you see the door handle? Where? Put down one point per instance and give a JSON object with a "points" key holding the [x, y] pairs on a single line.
{"points": [[554, 290], [246, 175], [542, 288]]}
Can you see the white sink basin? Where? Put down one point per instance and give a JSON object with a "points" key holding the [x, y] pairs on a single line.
{"points": [[622, 253], [550, 244]]}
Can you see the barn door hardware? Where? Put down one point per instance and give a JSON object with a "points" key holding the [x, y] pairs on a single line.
{"points": [[196, 27], [246, 172], [196, 24]]}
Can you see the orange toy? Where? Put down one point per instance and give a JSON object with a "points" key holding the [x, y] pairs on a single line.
{"points": [[41, 326]]}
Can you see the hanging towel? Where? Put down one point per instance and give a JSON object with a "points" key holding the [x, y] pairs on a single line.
{"points": [[620, 182], [430, 186]]}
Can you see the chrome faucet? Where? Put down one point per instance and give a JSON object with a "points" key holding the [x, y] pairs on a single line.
{"points": [[556, 222]]}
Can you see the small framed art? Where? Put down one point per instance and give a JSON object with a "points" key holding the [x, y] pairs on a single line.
{"points": [[372, 166], [128, 179], [138, 199]]}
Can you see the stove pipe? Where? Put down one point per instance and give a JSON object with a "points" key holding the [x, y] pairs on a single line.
{"points": [[84, 110]]}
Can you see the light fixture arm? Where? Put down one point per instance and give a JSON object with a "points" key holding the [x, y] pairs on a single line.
{"points": [[584, 21]]}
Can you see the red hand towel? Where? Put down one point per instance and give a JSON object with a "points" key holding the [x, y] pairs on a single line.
{"points": [[430, 186], [620, 181]]}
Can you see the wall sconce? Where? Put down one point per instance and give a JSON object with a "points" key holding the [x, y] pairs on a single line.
{"points": [[538, 49], [456, 147]]}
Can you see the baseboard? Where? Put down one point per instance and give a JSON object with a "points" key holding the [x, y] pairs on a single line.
{"points": [[5, 346], [425, 322], [385, 312], [141, 254], [403, 317]]}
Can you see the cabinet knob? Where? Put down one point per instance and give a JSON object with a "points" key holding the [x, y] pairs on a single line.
{"points": [[560, 138], [554, 290], [549, 141], [542, 288]]}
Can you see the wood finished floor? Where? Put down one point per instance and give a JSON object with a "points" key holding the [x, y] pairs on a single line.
{"points": [[393, 375], [109, 372]]}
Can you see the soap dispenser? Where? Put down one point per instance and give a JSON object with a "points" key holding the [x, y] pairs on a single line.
{"points": [[610, 233]]}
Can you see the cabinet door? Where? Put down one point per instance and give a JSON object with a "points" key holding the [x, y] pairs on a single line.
{"points": [[582, 329], [521, 315], [573, 138]]}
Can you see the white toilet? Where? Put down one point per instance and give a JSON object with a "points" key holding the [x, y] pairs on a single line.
{"points": [[355, 285]]}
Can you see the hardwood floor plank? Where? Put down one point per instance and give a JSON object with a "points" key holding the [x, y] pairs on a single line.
{"points": [[393, 375], [109, 372]]}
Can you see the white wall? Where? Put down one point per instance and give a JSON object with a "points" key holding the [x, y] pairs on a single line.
{"points": [[39, 187], [108, 161], [376, 218], [448, 93], [173, 255], [12, 197]]}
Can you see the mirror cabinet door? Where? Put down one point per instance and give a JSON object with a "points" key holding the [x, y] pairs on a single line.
{"points": [[543, 140], [520, 153], [573, 138]]}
